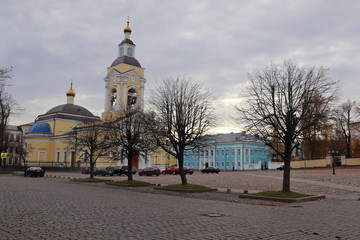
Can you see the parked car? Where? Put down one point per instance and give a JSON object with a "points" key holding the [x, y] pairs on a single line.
{"points": [[160, 168], [210, 170], [150, 171], [85, 170], [34, 172], [171, 171], [188, 170], [104, 171], [125, 170], [58, 165], [281, 167]]}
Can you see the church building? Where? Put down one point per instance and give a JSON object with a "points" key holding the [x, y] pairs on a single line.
{"points": [[48, 139], [124, 82]]}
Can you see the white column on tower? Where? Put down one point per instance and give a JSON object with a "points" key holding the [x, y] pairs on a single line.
{"points": [[106, 99]]}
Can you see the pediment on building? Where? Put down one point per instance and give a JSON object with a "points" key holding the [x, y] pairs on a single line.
{"points": [[115, 76]]}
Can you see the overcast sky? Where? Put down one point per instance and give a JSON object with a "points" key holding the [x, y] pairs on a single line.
{"points": [[48, 43]]}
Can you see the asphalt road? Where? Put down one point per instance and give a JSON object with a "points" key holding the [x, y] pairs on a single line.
{"points": [[54, 208]]}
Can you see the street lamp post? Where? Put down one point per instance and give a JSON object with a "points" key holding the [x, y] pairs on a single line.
{"points": [[333, 154]]}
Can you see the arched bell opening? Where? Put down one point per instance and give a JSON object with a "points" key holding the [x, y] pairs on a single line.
{"points": [[132, 99], [113, 99]]}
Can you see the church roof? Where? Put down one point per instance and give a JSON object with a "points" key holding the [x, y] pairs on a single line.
{"points": [[126, 40], [40, 128], [72, 109], [127, 60], [69, 112]]}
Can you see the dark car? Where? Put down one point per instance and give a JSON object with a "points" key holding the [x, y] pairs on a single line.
{"points": [[85, 170], [124, 170], [281, 167], [104, 171], [150, 171], [188, 170], [210, 170], [34, 172], [171, 171]]}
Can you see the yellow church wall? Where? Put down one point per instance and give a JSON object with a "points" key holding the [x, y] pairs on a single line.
{"points": [[162, 159], [41, 151], [47, 151], [62, 127], [122, 68]]}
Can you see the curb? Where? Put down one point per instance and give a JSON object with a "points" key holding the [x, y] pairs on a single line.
{"points": [[63, 177], [89, 181], [286, 200], [187, 190], [128, 185]]}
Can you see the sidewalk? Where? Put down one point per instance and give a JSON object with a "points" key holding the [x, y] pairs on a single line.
{"points": [[318, 182]]}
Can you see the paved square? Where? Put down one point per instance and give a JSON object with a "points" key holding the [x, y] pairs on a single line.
{"points": [[53, 208]]}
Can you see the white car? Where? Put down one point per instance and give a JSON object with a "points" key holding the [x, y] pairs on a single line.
{"points": [[58, 165], [160, 168]]}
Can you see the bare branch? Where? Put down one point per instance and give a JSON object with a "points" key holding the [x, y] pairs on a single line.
{"points": [[279, 105], [184, 114]]}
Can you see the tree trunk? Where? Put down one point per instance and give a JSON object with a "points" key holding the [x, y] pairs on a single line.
{"points": [[181, 168], [287, 161], [91, 168], [130, 175]]}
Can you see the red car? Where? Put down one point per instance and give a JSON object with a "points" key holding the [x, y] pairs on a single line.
{"points": [[171, 170], [149, 171]]}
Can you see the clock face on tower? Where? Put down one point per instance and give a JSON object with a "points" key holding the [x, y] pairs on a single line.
{"points": [[133, 78]]}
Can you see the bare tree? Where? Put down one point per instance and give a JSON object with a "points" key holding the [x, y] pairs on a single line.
{"points": [[5, 74], [345, 116], [8, 106], [25, 150], [184, 114], [279, 105], [132, 136], [91, 141], [315, 138]]}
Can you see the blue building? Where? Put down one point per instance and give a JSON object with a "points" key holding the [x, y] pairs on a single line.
{"points": [[234, 151]]}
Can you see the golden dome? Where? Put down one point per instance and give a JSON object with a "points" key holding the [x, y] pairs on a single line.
{"points": [[70, 92], [127, 28]]}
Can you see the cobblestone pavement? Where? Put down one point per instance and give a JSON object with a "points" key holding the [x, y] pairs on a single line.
{"points": [[56, 208], [346, 180]]}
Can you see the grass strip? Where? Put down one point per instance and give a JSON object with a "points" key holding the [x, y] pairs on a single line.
{"points": [[91, 179], [185, 186], [132, 182], [281, 194]]}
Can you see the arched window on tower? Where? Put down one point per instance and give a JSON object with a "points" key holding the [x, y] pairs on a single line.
{"points": [[113, 98], [121, 51], [130, 52], [132, 99]]}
